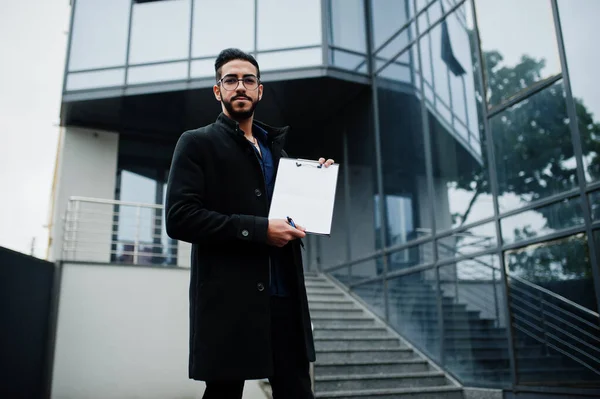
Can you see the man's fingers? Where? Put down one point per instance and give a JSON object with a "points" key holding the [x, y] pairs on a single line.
{"points": [[326, 163], [300, 227]]}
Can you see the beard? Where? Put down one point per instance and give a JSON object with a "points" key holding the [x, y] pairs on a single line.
{"points": [[237, 114]]}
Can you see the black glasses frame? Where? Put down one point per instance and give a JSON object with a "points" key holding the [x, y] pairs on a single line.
{"points": [[220, 82]]}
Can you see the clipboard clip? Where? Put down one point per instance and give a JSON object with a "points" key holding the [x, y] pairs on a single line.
{"points": [[298, 164]]}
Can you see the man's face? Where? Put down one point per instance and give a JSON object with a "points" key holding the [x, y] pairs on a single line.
{"points": [[238, 102]]}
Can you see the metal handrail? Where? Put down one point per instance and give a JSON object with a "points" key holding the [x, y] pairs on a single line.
{"points": [[542, 313], [96, 229], [533, 285], [114, 202]]}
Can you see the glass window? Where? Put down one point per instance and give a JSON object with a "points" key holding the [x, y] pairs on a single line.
{"points": [[203, 68], [397, 71], [594, 199], [210, 34], [366, 270], [372, 294], [351, 62], [288, 23], [342, 275], [362, 178], [579, 22], [160, 31], [475, 320], [136, 225], [468, 242], [388, 16], [534, 153], [99, 36], [554, 311], [348, 25], [524, 52], [333, 250], [542, 221], [408, 212], [412, 256], [413, 310], [96, 79], [440, 68], [157, 73], [561, 266], [460, 164], [290, 59]]}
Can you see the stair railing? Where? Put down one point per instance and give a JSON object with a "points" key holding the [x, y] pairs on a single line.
{"points": [[558, 323]]}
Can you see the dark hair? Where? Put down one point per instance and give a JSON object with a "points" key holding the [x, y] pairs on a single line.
{"points": [[231, 54]]}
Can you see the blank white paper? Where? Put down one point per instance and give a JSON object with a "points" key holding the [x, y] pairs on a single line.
{"points": [[305, 193]]}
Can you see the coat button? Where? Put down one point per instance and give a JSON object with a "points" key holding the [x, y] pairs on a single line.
{"points": [[245, 233], [260, 287], [257, 192]]}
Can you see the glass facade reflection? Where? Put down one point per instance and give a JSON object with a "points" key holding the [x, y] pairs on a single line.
{"points": [[467, 212]]}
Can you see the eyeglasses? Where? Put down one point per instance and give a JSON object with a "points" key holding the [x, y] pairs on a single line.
{"points": [[232, 83]]}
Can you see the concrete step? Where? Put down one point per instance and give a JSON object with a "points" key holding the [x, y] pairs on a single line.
{"points": [[319, 283], [344, 299], [334, 313], [326, 297], [367, 332], [312, 290], [315, 279], [347, 316], [441, 392], [379, 381], [371, 367], [336, 322], [331, 305], [326, 344], [366, 354]]}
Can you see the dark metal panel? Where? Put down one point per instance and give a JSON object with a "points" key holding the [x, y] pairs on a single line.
{"points": [[26, 285]]}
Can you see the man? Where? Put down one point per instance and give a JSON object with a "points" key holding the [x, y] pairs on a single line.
{"points": [[249, 314]]}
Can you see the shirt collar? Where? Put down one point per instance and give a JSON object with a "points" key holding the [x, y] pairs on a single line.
{"points": [[260, 133]]}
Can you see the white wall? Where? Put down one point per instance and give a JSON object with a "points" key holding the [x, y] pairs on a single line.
{"points": [[123, 333], [87, 167]]}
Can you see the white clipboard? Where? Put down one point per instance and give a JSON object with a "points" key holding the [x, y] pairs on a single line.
{"points": [[305, 192]]}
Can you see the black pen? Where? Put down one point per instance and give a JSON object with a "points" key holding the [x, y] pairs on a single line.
{"points": [[291, 222]]}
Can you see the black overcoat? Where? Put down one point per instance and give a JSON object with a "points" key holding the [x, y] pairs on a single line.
{"points": [[216, 200]]}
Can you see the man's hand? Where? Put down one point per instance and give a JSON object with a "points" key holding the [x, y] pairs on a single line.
{"points": [[280, 232], [325, 163]]}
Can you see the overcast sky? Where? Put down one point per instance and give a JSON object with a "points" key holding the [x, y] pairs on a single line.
{"points": [[32, 51]]}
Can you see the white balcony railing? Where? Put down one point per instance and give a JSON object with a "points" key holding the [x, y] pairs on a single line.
{"points": [[109, 231]]}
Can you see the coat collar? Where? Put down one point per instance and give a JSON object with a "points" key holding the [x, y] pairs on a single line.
{"points": [[275, 134]]}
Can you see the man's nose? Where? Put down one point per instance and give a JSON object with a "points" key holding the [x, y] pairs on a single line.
{"points": [[240, 87]]}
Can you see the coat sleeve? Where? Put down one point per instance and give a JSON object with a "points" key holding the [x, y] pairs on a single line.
{"points": [[187, 219]]}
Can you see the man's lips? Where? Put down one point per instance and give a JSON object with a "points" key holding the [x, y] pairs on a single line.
{"points": [[241, 99]]}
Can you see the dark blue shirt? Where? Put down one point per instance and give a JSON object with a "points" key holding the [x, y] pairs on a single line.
{"points": [[279, 284]]}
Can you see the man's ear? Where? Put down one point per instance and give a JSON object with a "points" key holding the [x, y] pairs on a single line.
{"points": [[217, 92], [260, 92]]}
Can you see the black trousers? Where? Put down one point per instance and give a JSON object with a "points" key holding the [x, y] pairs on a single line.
{"points": [[291, 378]]}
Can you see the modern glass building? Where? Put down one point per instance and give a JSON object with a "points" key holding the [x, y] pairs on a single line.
{"points": [[468, 133]]}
